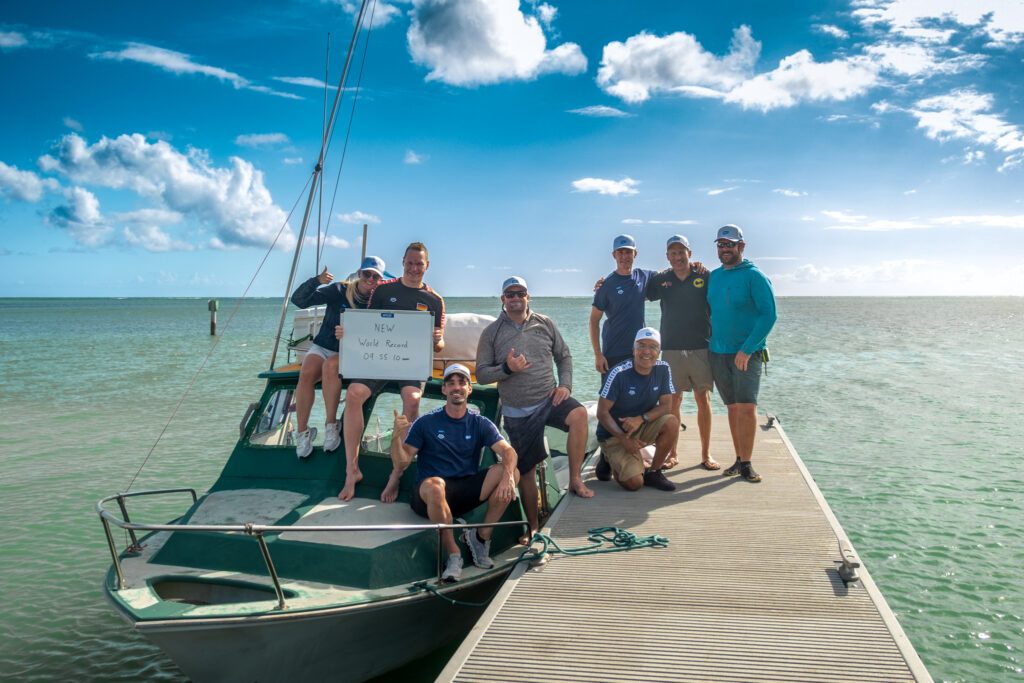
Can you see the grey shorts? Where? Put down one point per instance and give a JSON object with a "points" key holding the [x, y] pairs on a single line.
{"points": [[317, 350], [377, 385], [733, 385], [691, 370]]}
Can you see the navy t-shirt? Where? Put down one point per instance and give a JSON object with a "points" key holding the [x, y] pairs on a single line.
{"points": [[448, 447], [633, 393], [621, 299]]}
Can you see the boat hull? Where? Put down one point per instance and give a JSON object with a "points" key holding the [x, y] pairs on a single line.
{"points": [[344, 644]]}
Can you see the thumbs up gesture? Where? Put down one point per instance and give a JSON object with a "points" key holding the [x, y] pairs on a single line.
{"points": [[325, 278], [401, 422]]}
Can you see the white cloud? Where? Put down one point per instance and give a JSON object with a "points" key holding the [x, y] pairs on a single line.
{"points": [[632, 221], [358, 217], [981, 221], [966, 115], [600, 110], [563, 270], [152, 216], [81, 218], [546, 13], [330, 241], [305, 81], [880, 225], [379, 13], [843, 217], [799, 77], [412, 157], [914, 59], [23, 186], [886, 271], [232, 201], [831, 30], [291, 161], [626, 186], [73, 124], [715, 191], [262, 139], [639, 221], [1002, 21], [181, 63], [785, 192], [11, 40], [152, 238], [647, 64], [477, 42]]}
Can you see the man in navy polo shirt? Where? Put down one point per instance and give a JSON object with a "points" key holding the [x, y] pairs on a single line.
{"points": [[449, 441], [634, 411], [620, 297]]}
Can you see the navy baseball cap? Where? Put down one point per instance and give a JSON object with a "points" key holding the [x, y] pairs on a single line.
{"points": [[624, 242], [373, 264], [730, 232]]}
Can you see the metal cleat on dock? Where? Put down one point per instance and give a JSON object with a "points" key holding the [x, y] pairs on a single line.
{"points": [[849, 564]]}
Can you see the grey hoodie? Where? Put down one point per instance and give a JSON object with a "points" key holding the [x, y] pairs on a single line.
{"points": [[541, 343]]}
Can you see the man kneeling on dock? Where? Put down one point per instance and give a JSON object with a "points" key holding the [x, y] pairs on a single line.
{"points": [[634, 411], [448, 442]]}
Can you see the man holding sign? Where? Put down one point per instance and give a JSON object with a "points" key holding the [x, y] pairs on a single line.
{"points": [[406, 293]]}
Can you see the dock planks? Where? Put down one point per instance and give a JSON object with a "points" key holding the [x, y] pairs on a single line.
{"points": [[746, 591]]}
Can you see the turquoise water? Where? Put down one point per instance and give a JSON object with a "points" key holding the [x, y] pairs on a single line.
{"points": [[906, 411]]}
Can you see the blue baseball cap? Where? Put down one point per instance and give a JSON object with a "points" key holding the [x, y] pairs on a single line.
{"points": [[730, 232], [678, 239], [514, 281], [373, 264], [457, 369], [624, 242]]}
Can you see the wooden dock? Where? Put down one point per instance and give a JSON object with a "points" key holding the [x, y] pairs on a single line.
{"points": [[748, 589]]}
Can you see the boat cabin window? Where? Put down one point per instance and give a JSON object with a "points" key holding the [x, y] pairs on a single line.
{"points": [[277, 422]]}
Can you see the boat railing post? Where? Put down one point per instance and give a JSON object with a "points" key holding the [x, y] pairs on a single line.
{"points": [[135, 548], [113, 554], [440, 559], [270, 565]]}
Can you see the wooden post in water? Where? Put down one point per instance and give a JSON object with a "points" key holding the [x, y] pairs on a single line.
{"points": [[213, 306], [364, 245]]}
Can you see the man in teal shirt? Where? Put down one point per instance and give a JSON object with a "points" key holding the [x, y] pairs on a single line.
{"points": [[742, 314]]}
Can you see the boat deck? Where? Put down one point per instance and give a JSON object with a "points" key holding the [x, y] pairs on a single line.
{"points": [[747, 590]]}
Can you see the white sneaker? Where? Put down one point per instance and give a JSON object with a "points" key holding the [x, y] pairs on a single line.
{"points": [[332, 436], [481, 551], [304, 442], [453, 570]]}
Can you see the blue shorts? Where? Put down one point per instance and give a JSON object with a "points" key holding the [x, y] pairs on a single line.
{"points": [[733, 385]]}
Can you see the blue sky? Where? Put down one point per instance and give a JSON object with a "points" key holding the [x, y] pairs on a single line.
{"points": [[866, 147]]}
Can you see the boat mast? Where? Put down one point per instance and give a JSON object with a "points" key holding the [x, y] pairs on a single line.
{"points": [[317, 178]]}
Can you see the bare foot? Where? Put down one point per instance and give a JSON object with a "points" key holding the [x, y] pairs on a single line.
{"points": [[670, 462], [390, 493], [580, 489], [525, 539], [351, 479], [710, 464]]}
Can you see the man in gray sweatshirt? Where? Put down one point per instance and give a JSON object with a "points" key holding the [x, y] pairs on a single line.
{"points": [[517, 351]]}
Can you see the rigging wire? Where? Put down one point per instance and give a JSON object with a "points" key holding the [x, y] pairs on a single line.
{"points": [[217, 339], [348, 129], [323, 132]]}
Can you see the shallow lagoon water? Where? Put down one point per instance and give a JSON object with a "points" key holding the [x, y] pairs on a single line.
{"points": [[906, 411]]}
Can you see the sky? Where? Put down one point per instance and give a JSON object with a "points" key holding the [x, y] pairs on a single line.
{"points": [[867, 147]]}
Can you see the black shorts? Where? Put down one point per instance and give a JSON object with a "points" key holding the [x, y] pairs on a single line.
{"points": [[527, 459], [377, 385], [461, 493], [734, 385]]}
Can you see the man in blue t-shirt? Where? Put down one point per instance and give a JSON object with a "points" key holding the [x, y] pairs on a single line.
{"points": [[449, 441], [620, 298], [742, 314], [634, 411]]}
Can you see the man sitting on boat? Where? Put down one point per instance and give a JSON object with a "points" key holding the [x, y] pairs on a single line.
{"points": [[517, 351], [634, 411], [407, 293], [447, 443], [321, 361]]}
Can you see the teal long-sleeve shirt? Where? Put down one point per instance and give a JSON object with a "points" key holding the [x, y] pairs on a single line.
{"points": [[742, 309]]}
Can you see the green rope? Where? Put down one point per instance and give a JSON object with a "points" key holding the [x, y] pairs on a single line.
{"points": [[620, 540], [292, 343]]}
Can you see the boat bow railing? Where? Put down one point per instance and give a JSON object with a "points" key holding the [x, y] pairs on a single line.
{"points": [[258, 531]]}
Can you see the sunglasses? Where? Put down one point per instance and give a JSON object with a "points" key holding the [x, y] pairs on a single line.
{"points": [[369, 275], [516, 294], [726, 245]]}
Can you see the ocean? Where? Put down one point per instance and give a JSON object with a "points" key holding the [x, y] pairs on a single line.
{"points": [[906, 410]]}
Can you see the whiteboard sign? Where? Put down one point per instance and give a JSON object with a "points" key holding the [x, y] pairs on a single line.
{"points": [[387, 344]]}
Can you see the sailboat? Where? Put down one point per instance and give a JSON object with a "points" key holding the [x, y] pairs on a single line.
{"points": [[269, 576]]}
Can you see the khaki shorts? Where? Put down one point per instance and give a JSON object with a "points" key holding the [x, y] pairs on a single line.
{"points": [[690, 369], [625, 465]]}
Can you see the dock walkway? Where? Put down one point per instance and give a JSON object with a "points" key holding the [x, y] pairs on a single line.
{"points": [[748, 589]]}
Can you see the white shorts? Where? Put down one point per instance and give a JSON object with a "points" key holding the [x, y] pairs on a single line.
{"points": [[317, 350]]}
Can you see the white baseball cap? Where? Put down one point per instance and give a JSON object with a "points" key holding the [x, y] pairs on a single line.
{"points": [[514, 281], [457, 368], [648, 333], [678, 239], [624, 242]]}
